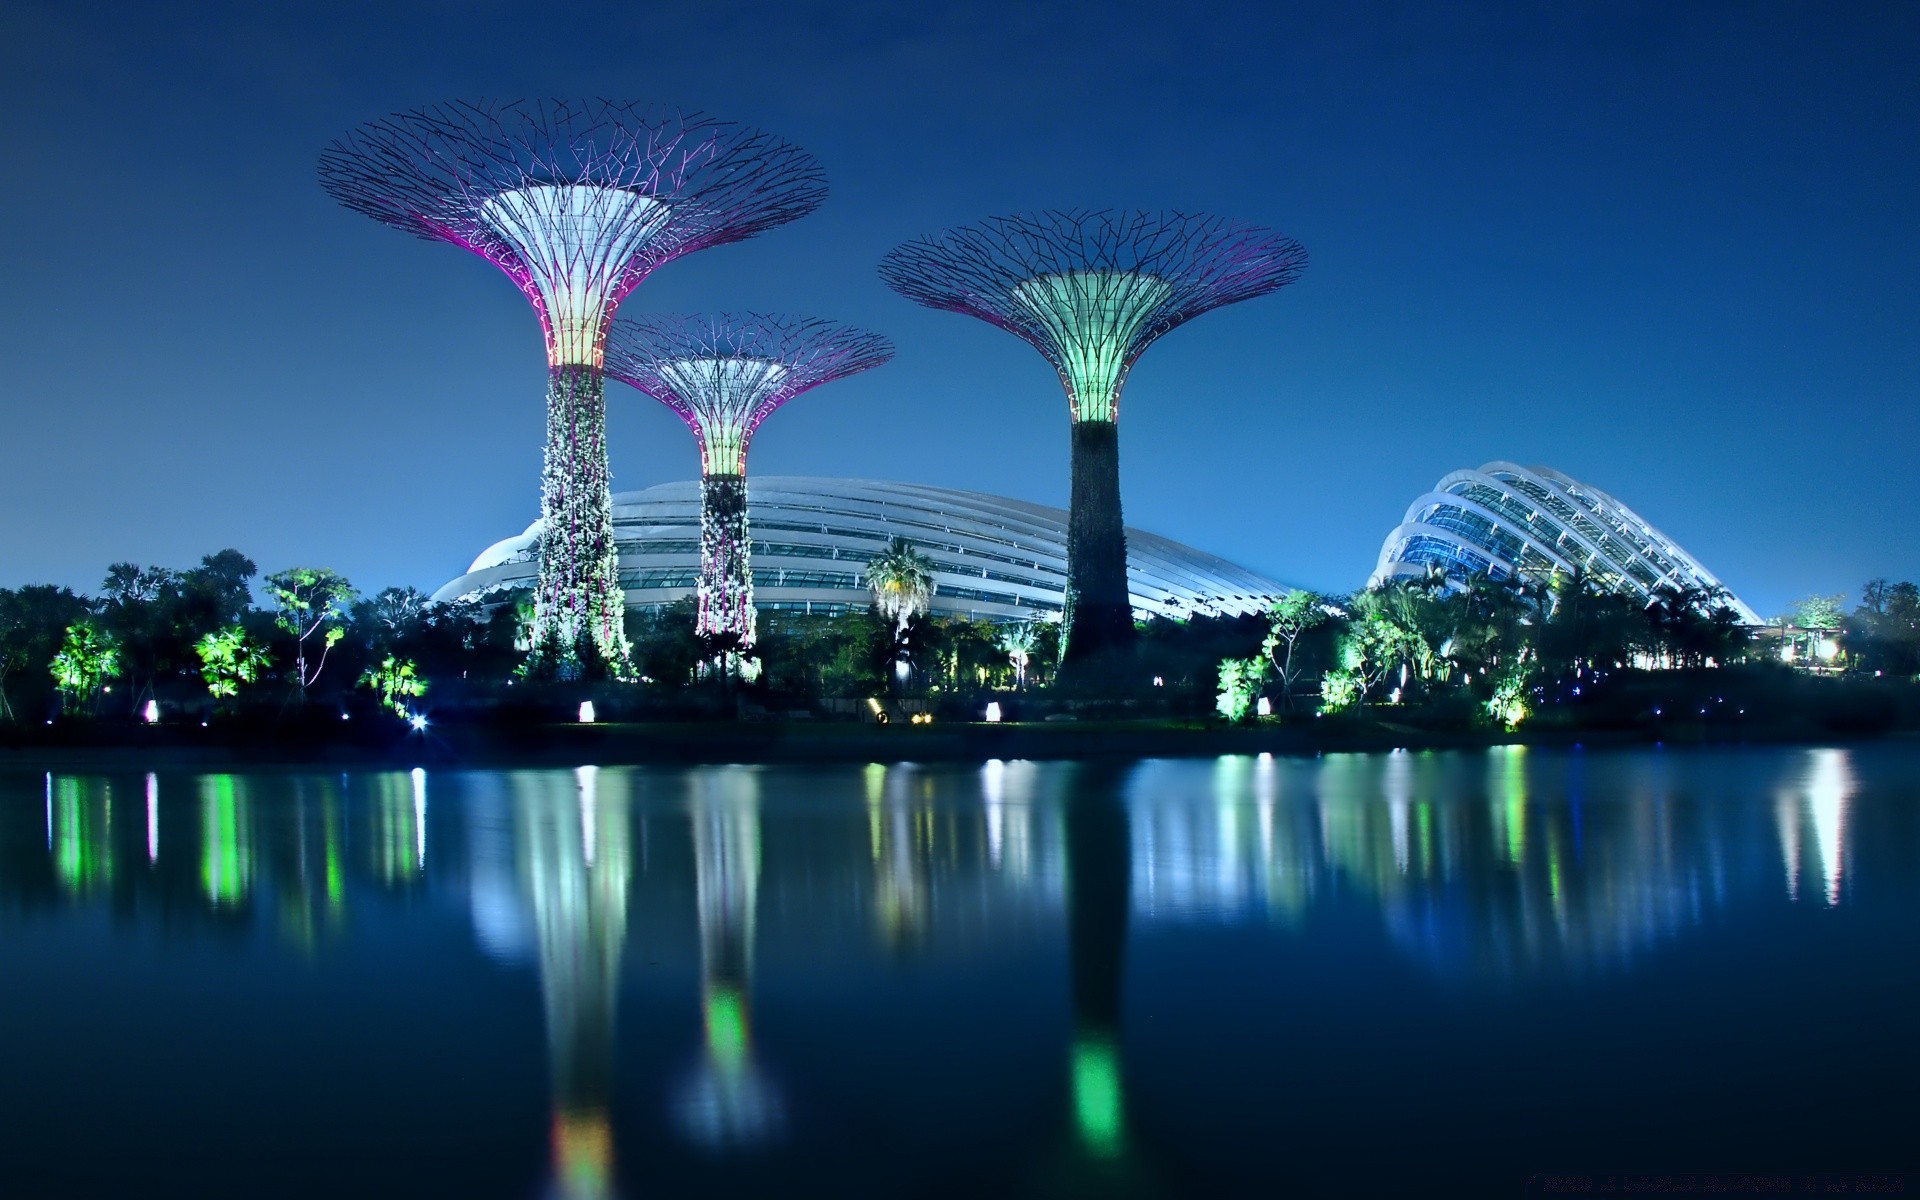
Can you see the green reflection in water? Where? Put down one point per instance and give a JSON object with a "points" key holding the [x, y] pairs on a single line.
{"points": [[726, 1021], [1513, 788], [1096, 1094], [336, 870], [82, 849], [225, 852]]}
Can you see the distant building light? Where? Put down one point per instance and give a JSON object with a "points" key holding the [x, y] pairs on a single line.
{"points": [[151, 713], [586, 712], [993, 711], [1264, 708]]}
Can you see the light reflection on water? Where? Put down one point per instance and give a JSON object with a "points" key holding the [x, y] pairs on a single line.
{"points": [[833, 889]]}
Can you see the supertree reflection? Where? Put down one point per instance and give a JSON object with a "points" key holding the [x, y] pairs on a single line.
{"points": [[899, 833], [729, 1102], [575, 866]]}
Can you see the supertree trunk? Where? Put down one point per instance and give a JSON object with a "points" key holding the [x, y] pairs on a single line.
{"points": [[726, 588], [579, 608], [1099, 616]]}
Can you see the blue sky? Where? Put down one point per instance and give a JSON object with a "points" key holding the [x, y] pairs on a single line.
{"points": [[1670, 250]]}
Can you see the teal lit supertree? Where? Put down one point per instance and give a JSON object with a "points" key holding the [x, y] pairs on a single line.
{"points": [[577, 203], [1091, 291]]}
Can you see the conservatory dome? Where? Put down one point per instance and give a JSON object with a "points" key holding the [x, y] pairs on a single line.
{"points": [[993, 558], [1506, 520]]}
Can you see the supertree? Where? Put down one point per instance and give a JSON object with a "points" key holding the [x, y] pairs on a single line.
{"points": [[1091, 291], [724, 374], [577, 203]]}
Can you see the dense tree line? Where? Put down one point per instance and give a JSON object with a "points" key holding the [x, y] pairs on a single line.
{"points": [[1496, 651], [195, 640], [219, 638]]}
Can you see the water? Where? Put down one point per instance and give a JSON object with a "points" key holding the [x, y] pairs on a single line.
{"points": [[1397, 974]]}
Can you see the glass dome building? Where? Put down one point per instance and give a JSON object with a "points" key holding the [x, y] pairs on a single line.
{"points": [[994, 558], [1505, 520]]}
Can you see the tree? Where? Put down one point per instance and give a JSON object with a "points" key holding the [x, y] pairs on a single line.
{"points": [[220, 588], [1883, 634], [398, 613], [139, 607], [229, 658], [1240, 680], [1018, 641], [88, 658], [309, 602], [1508, 704], [901, 580], [33, 625], [1291, 616], [1804, 621], [1383, 636], [1693, 624], [1817, 612], [666, 648], [395, 681]]}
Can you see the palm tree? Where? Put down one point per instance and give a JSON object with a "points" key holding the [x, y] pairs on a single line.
{"points": [[901, 580], [1018, 641]]}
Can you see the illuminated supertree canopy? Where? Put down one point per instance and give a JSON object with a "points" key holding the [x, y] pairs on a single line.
{"points": [[724, 374], [1091, 291], [577, 203]]}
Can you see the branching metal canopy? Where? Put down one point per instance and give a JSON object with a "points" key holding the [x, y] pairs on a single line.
{"points": [[576, 201], [1092, 290], [724, 373]]}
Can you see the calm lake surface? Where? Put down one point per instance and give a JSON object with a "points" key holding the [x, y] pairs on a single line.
{"points": [[1399, 974]]}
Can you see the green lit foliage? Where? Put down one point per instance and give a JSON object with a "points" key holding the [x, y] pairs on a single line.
{"points": [[395, 681], [1290, 618], [1340, 690], [158, 614], [88, 657], [1386, 638], [1804, 622], [1240, 680], [310, 602], [1508, 705], [229, 658], [33, 626], [1817, 612]]}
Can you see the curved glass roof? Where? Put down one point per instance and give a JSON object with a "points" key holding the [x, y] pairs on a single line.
{"points": [[1506, 520], [994, 558]]}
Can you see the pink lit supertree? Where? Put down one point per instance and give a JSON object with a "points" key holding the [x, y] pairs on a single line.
{"points": [[724, 374], [1091, 291], [577, 203]]}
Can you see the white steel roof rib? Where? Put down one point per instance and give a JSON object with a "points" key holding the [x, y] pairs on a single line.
{"points": [[1614, 539], [994, 558]]}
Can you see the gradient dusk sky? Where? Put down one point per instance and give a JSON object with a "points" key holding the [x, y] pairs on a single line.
{"points": [[1669, 249]]}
